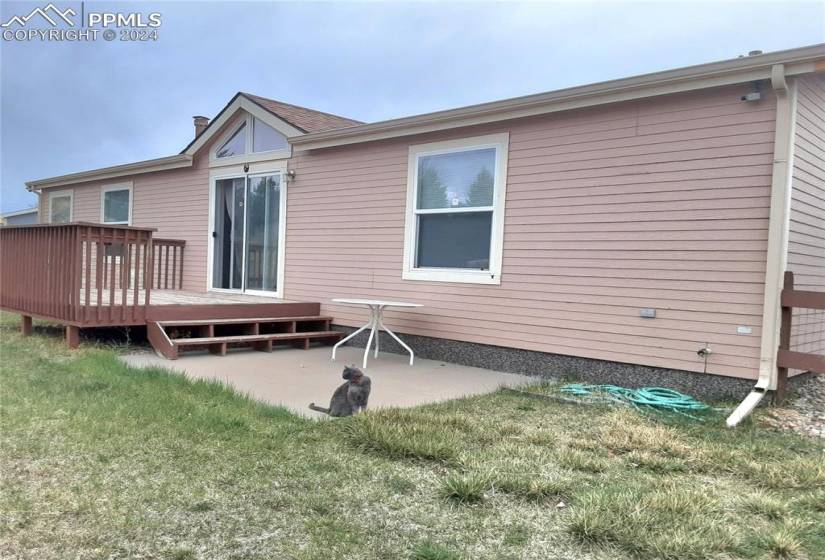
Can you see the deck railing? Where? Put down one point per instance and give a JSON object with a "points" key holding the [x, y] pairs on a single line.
{"points": [[85, 274], [168, 258]]}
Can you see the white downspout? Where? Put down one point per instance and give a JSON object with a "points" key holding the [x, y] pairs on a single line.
{"points": [[777, 253]]}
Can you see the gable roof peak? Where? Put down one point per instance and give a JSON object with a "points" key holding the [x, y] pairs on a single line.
{"points": [[303, 118]]}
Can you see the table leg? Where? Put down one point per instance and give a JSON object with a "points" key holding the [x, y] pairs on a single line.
{"points": [[378, 323], [343, 340], [375, 313], [381, 325]]}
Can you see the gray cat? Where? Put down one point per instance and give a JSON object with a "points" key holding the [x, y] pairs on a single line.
{"points": [[349, 398]]}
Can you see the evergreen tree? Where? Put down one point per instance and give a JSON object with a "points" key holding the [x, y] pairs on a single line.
{"points": [[431, 191], [481, 190]]}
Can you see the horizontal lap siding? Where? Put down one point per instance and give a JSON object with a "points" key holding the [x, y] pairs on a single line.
{"points": [[658, 203], [175, 202], [806, 250]]}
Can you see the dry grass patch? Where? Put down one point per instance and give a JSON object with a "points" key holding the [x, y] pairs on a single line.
{"points": [[766, 505], [672, 523], [402, 434], [467, 488], [576, 460], [654, 462], [625, 431], [533, 488], [813, 501], [782, 542], [542, 438], [509, 430], [792, 473]]}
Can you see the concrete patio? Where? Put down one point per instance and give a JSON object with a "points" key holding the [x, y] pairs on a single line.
{"points": [[294, 378]]}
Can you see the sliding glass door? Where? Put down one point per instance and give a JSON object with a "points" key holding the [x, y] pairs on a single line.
{"points": [[263, 197], [246, 233], [228, 233]]}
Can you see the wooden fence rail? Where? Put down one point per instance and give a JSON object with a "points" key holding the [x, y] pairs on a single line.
{"points": [[786, 358], [85, 274]]}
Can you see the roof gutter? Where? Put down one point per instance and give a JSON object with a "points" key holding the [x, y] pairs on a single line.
{"points": [[741, 70], [147, 166], [778, 232]]}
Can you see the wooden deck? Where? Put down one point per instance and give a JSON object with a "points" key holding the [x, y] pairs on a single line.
{"points": [[86, 275], [181, 297], [170, 305]]}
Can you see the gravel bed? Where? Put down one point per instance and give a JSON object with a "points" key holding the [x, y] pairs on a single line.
{"points": [[804, 411]]}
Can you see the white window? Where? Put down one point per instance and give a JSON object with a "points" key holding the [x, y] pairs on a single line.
{"points": [[60, 207], [265, 138], [116, 204], [251, 136], [455, 210], [236, 145]]}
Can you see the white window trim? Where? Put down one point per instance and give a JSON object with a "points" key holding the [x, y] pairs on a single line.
{"points": [[249, 156], [116, 187], [493, 276], [60, 194]]}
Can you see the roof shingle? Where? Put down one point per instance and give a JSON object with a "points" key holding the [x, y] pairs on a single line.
{"points": [[308, 120]]}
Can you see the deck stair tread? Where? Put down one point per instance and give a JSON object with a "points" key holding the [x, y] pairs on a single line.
{"points": [[256, 337], [169, 337], [184, 323]]}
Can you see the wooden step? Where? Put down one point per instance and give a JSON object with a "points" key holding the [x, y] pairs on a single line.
{"points": [[262, 342], [225, 311], [169, 346], [204, 328], [201, 322], [254, 337]]}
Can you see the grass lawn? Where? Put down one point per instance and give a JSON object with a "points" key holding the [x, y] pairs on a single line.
{"points": [[103, 461]]}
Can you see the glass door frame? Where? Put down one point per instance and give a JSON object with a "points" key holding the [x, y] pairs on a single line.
{"points": [[246, 172]]}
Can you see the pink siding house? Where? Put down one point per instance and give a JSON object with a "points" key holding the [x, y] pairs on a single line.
{"points": [[611, 231]]}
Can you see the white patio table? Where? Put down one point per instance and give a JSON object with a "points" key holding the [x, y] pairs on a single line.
{"points": [[375, 324]]}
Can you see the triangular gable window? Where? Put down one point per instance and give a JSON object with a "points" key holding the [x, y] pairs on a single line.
{"points": [[235, 145], [265, 138], [251, 139]]}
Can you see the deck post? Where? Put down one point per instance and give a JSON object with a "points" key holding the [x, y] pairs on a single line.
{"points": [[25, 325], [72, 336]]}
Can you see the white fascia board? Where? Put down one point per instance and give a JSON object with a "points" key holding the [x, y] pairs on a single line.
{"points": [[148, 166], [170, 162]]}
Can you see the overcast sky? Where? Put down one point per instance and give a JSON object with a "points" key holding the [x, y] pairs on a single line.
{"points": [[70, 107]]}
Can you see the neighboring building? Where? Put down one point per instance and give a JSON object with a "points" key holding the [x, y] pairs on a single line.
{"points": [[558, 223], [19, 217]]}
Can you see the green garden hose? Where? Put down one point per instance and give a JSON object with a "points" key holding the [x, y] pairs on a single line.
{"points": [[657, 398]]}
